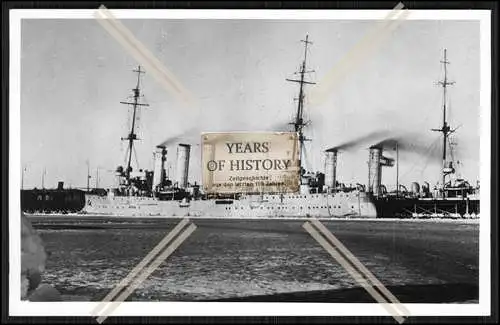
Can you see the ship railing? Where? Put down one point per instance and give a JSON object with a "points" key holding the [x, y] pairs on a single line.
{"points": [[430, 213]]}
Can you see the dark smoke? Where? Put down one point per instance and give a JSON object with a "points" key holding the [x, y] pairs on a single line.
{"points": [[193, 134], [427, 146], [280, 127], [413, 143], [182, 136], [363, 140]]}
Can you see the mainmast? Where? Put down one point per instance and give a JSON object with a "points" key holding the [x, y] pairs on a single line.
{"points": [[445, 129], [299, 119], [132, 136]]}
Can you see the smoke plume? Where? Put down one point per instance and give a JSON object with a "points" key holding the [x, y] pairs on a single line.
{"points": [[426, 146], [181, 136], [280, 127], [413, 143], [366, 139]]}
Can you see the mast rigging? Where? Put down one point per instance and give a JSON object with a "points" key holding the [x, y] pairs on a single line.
{"points": [[299, 118], [445, 128], [132, 136]]}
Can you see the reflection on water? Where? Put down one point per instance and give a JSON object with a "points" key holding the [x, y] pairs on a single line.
{"points": [[221, 259]]}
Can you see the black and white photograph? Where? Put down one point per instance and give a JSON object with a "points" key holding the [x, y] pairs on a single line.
{"points": [[335, 159]]}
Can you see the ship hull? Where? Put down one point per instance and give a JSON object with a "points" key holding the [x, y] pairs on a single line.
{"points": [[338, 205], [432, 207], [52, 200]]}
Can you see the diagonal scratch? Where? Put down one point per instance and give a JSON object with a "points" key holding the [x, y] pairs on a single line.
{"points": [[363, 278], [357, 55], [338, 244], [142, 271], [156, 263], [139, 51], [161, 245]]}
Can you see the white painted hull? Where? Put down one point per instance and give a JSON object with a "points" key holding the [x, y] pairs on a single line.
{"points": [[338, 205]]}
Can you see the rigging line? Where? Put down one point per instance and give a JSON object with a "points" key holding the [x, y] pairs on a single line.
{"points": [[308, 164], [452, 154], [304, 154], [427, 152], [138, 116], [451, 149], [430, 150], [438, 140], [136, 158], [129, 118], [125, 158]]}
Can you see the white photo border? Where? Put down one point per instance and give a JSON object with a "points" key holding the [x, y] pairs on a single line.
{"points": [[24, 308]]}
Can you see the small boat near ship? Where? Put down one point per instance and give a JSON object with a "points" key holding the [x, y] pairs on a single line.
{"points": [[152, 193]]}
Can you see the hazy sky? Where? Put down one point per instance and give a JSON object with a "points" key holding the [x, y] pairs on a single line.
{"points": [[74, 74]]}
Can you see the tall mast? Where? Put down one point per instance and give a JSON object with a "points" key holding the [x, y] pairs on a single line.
{"points": [[397, 169], [43, 177], [299, 119], [88, 176], [445, 129], [97, 178], [132, 136]]}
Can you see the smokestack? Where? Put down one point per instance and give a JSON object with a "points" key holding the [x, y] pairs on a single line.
{"points": [[331, 168], [374, 170], [182, 174], [375, 163], [159, 169]]}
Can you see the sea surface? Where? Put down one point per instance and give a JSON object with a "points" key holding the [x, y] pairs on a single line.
{"points": [[258, 259]]}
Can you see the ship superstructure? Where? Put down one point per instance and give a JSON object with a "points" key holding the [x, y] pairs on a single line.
{"points": [[154, 193], [451, 197]]}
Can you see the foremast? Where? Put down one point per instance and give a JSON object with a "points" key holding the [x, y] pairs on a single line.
{"points": [[299, 122], [132, 136], [445, 128]]}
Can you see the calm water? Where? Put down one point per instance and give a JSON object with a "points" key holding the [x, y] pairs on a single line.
{"points": [[225, 259]]}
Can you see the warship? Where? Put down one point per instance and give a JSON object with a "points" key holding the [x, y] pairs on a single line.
{"points": [[152, 193], [452, 197]]}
